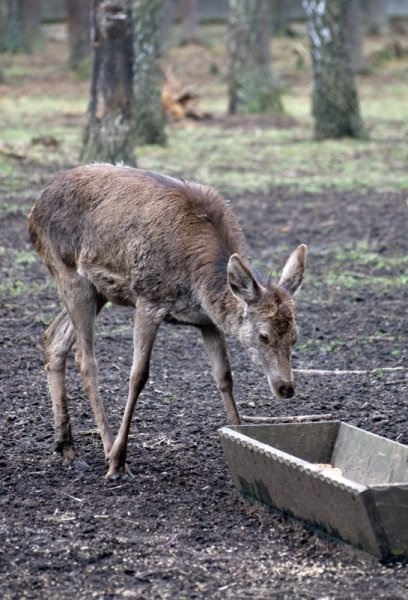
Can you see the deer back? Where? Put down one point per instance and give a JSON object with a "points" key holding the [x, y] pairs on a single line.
{"points": [[136, 232]]}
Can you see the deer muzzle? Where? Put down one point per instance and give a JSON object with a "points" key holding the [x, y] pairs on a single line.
{"points": [[281, 388]]}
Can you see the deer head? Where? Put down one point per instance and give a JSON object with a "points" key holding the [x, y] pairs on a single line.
{"points": [[268, 329]]}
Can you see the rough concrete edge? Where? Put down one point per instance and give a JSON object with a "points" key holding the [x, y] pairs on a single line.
{"points": [[290, 460]]}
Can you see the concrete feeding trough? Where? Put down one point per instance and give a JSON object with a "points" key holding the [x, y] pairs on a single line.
{"points": [[346, 481]]}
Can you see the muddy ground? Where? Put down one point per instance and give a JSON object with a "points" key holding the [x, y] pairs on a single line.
{"points": [[179, 530]]}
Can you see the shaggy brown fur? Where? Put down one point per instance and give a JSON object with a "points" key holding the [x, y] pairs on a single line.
{"points": [[174, 251]]}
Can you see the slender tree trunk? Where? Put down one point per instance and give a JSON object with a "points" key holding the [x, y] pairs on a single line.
{"points": [[169, 11], [11, 26], [335, 101], [251, 83], [355, 36], [189, 21], [148, 114], [377, 17], [19, 25], [79, 31], [108, 133]]}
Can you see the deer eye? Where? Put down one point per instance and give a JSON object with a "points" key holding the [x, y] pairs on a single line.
{"points": [[264, 338]]}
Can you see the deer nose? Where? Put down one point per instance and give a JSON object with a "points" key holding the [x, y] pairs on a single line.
{"points": [[286, 390]]}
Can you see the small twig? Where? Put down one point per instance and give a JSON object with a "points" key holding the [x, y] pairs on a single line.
{"points": [[397, 381], [356, 274], [288, 419], [71, 497], [345, 372], [88, 432], [11, 153], [128, 520], [171, 540], [225, 587]]}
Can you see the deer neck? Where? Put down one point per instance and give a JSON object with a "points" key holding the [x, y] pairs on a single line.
{"points": [[223, 308]]}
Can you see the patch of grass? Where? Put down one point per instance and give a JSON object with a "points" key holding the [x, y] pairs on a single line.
{"points": [[255, 158], [13, 288], [45, 105], [352, 280], [246, 158], [25, 258], [37, 116], [13, 71], [255, 161], [396, 352], [362, 265], [11, 179], [361, 255], [43, 319]]}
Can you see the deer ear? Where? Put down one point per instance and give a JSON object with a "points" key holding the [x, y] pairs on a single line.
{"points": [[292, 274], [241, 281]]}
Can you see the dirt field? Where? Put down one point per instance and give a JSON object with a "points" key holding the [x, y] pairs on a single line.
{"points": [[179, 531]]}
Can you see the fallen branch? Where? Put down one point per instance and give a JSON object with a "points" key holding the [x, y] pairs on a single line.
{"points": [[10, 152], [396, 382], [179, 101], [292, 419], [345, 372]]}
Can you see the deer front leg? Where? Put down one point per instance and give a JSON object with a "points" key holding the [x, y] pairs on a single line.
{"points": [[215, 344], [144, 334]]}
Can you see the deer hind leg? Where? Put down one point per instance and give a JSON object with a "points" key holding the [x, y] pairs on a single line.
{"points": [[83, 304], [217, 352], [58, 339], [144, 334]]}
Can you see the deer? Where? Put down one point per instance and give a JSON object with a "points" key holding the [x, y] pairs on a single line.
{"points": [[173, 251]]}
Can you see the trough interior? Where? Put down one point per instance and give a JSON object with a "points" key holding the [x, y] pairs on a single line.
{"points": [[362, 457]]}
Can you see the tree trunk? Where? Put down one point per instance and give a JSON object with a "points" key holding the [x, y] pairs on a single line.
{"points": [[189, 22], [335, 101], [108, 133], [252, 88], [355, 36], [79, 31], [377, 17], [148, 114], [19, 25], [169, 11]]}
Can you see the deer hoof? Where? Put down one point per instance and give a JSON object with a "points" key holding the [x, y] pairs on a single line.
{"points": [[122, 473], [128, 473], [67, 452]]}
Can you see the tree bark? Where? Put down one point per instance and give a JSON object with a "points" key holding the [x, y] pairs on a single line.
{"points": [[148, 114], [335, 101], [79, 31], [19, 25], [377, 21], [108, 133], [252, 88], [355, 36], [189, 22]]}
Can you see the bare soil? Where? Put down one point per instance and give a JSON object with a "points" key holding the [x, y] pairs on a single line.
{"points": [[179, 530]]}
